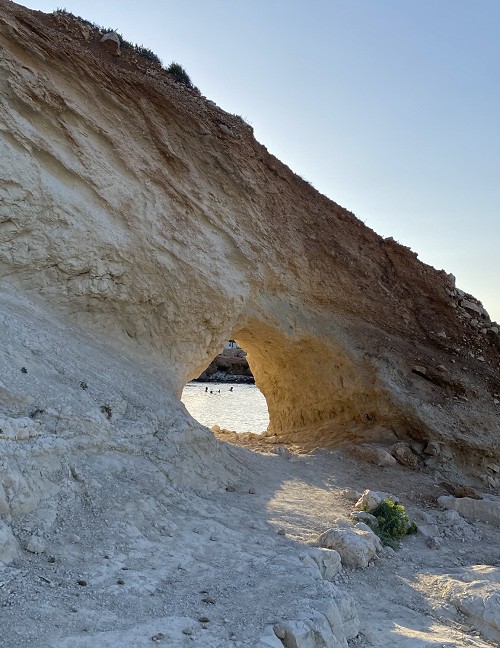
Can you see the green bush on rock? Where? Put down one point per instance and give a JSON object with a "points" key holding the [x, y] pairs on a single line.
{"points": [[392, 522]]}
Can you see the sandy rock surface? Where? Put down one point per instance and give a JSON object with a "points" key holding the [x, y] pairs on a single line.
{"points": [[132, 205], [138, 233]]}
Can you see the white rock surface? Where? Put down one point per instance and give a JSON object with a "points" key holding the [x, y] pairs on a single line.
{"points": [[475, 591], [484, 510], [369, 500], [328, 562], [8, 544], [357, 547]]}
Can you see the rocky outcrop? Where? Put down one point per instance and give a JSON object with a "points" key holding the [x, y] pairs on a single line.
{"points": [[475, 592], [229, 366], [135, 208]]}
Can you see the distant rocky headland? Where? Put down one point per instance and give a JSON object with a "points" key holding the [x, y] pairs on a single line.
{"points": [[229, 366]]}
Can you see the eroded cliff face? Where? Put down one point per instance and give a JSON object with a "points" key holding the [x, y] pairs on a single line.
{"points": [[139, 210]]}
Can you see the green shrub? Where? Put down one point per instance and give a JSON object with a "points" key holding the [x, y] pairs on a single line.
{"points": [[392, 522], [147, 53], [180, 74]]}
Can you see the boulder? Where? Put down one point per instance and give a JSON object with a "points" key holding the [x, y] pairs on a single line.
{"points": [[8, 544], [369, 500], [462, 491], [484, 510], [329, 621], [363, 516], [357, 547], [372, 454], [404, 455], [475, 592], [328, 562], [361, 526], [111, 43]]}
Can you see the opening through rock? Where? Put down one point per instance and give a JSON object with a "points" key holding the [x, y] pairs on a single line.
{"points": [[225, 394]]}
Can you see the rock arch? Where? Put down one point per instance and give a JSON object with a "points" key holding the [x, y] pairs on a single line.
{"points": [[148, 214]]}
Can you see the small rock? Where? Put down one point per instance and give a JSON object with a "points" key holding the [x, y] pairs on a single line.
{"points": [[230, 489], [82, 582], [208, 600], [418, 448], [203, 619], [433, 543], [187, 631], [433, 448], [36, 545], [419, 370], [351, 494], [252, 491], [281, 532], [428, 530], [328, 562], [282, 451], [51, 559], [404, 454], [120, 581], [159, 636]]}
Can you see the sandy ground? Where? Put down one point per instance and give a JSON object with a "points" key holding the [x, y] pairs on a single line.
{"points": [[158, 564]]}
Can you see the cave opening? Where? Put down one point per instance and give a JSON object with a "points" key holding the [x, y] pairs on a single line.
{"points": [[225, 394]]}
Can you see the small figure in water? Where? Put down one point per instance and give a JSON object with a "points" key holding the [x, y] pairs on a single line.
{"points": [[211, 391], [206, 389], [218, 391], [230, 389]]}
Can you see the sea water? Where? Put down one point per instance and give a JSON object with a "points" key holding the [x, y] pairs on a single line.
{"points": [[243, 409]]}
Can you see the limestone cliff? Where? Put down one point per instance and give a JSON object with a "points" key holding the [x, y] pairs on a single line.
{"points": [[137, 209]]}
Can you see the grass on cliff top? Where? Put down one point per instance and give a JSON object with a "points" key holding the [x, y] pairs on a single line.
{"points": [[174, 69]]}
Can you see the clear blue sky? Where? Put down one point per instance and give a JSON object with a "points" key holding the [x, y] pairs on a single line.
{"points": [[389, 107]]}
